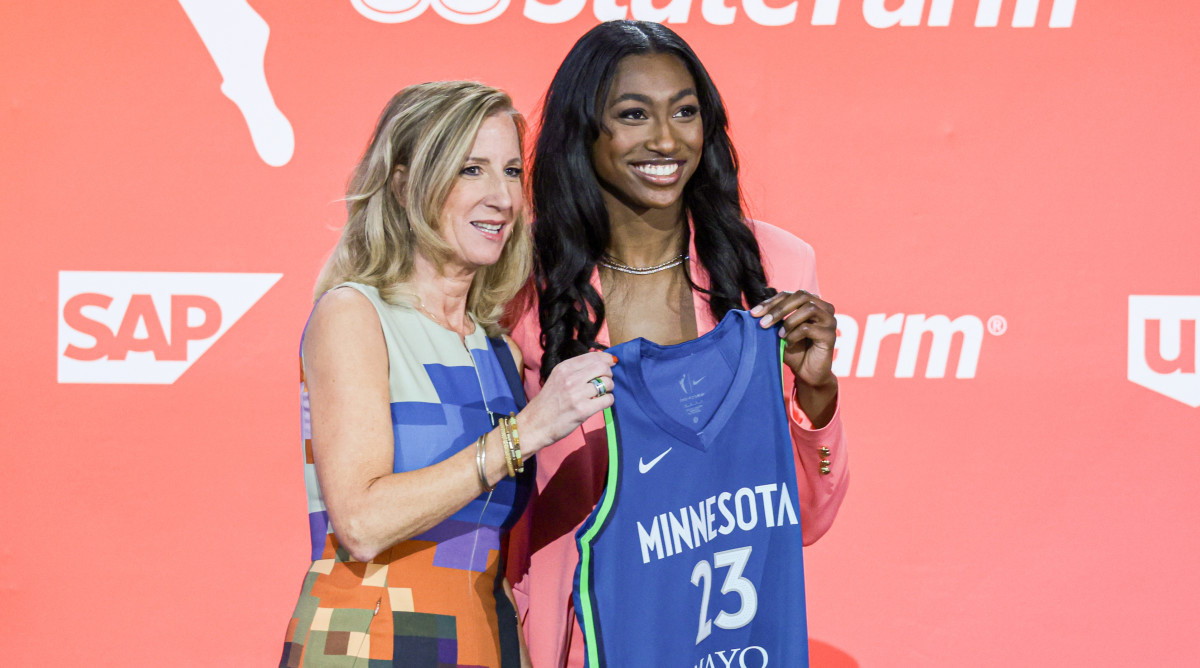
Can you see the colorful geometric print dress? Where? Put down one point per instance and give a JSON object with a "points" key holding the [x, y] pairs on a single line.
{"points": [[436, 599]]}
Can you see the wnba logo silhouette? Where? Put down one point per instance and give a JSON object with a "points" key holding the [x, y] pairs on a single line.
{"points": [[236, 38], [1162, 345]]}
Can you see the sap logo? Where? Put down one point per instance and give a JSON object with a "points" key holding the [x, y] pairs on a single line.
{"points": [[716, 12], [912, 330], [1162, 345], [146, 327]]}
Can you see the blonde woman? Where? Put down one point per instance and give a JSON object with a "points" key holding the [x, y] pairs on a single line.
{"points": [[417, 437]]}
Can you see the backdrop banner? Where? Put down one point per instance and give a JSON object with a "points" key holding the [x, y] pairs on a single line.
{"points": [[1001, 193]]}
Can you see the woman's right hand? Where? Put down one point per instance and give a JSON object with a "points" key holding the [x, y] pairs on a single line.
{"points": [[566, 400]]}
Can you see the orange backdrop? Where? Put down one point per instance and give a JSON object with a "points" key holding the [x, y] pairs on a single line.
{"points": [[1003, 200]]}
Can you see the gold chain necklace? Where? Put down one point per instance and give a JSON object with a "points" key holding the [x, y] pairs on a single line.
{"points": [[444, 325]]}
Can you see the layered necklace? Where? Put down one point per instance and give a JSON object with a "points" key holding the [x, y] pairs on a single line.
{"points": [[609, 262]]}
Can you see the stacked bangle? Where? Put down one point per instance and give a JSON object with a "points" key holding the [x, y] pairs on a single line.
{"points": [[510, 440], [506, 439], [517, 462], [481, 462]]}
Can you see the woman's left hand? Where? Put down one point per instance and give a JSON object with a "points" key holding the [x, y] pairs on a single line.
{"points": [[810, 331]]}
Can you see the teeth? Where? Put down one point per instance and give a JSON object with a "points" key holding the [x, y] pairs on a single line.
{"points": [[488, 227], [658, 170]]}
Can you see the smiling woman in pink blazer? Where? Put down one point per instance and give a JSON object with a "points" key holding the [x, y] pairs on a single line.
{"points": [[640, 232]]}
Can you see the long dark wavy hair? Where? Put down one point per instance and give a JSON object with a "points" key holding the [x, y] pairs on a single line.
{"points": [[571, 232]]}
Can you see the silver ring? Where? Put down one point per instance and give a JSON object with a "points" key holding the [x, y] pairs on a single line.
{"points": [[601, 390]]}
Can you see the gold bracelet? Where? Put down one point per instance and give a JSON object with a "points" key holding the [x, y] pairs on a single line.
{"points": [[518, 462], [481, 462], [506, 441]]}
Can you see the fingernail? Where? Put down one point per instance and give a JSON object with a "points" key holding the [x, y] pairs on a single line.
{"points": [[756, 310], [766, 321], [615, 360], [782, 333]]}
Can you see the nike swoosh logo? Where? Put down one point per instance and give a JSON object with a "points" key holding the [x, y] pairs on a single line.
{"points": [[643, 466]]}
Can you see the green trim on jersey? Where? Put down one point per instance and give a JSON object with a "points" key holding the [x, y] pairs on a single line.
{"points": [[782, 382], [587, 614]]}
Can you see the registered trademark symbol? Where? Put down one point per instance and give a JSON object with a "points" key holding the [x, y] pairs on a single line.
{"points": [[997, 325]]}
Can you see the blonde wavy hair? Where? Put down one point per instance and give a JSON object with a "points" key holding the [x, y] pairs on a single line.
{"points": [[429, 129]]}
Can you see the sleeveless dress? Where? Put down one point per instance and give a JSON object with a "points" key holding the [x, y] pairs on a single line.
{"points": [[435, 599]]}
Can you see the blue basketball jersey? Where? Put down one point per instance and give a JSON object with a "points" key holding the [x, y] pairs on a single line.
{"points": [[692, 557]]}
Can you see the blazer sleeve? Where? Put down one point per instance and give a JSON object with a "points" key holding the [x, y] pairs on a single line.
{"points": [[790, 265]]}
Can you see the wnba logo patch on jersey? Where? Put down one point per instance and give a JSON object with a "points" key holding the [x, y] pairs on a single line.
{"points": [[696, 562]]}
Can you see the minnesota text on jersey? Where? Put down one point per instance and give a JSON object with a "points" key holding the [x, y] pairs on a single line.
{"points": [[694, 525]]}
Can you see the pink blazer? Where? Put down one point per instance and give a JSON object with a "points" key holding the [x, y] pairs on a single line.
{"points": [[570, 474]]}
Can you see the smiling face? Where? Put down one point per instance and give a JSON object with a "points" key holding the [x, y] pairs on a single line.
{"points": [[653, 135], [478, 215]]}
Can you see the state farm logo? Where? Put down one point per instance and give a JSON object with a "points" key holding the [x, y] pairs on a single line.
{"points": [[913, 330], [468, 12], [236, 36], [717, 12], [1162, 345], [146, 327]]}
